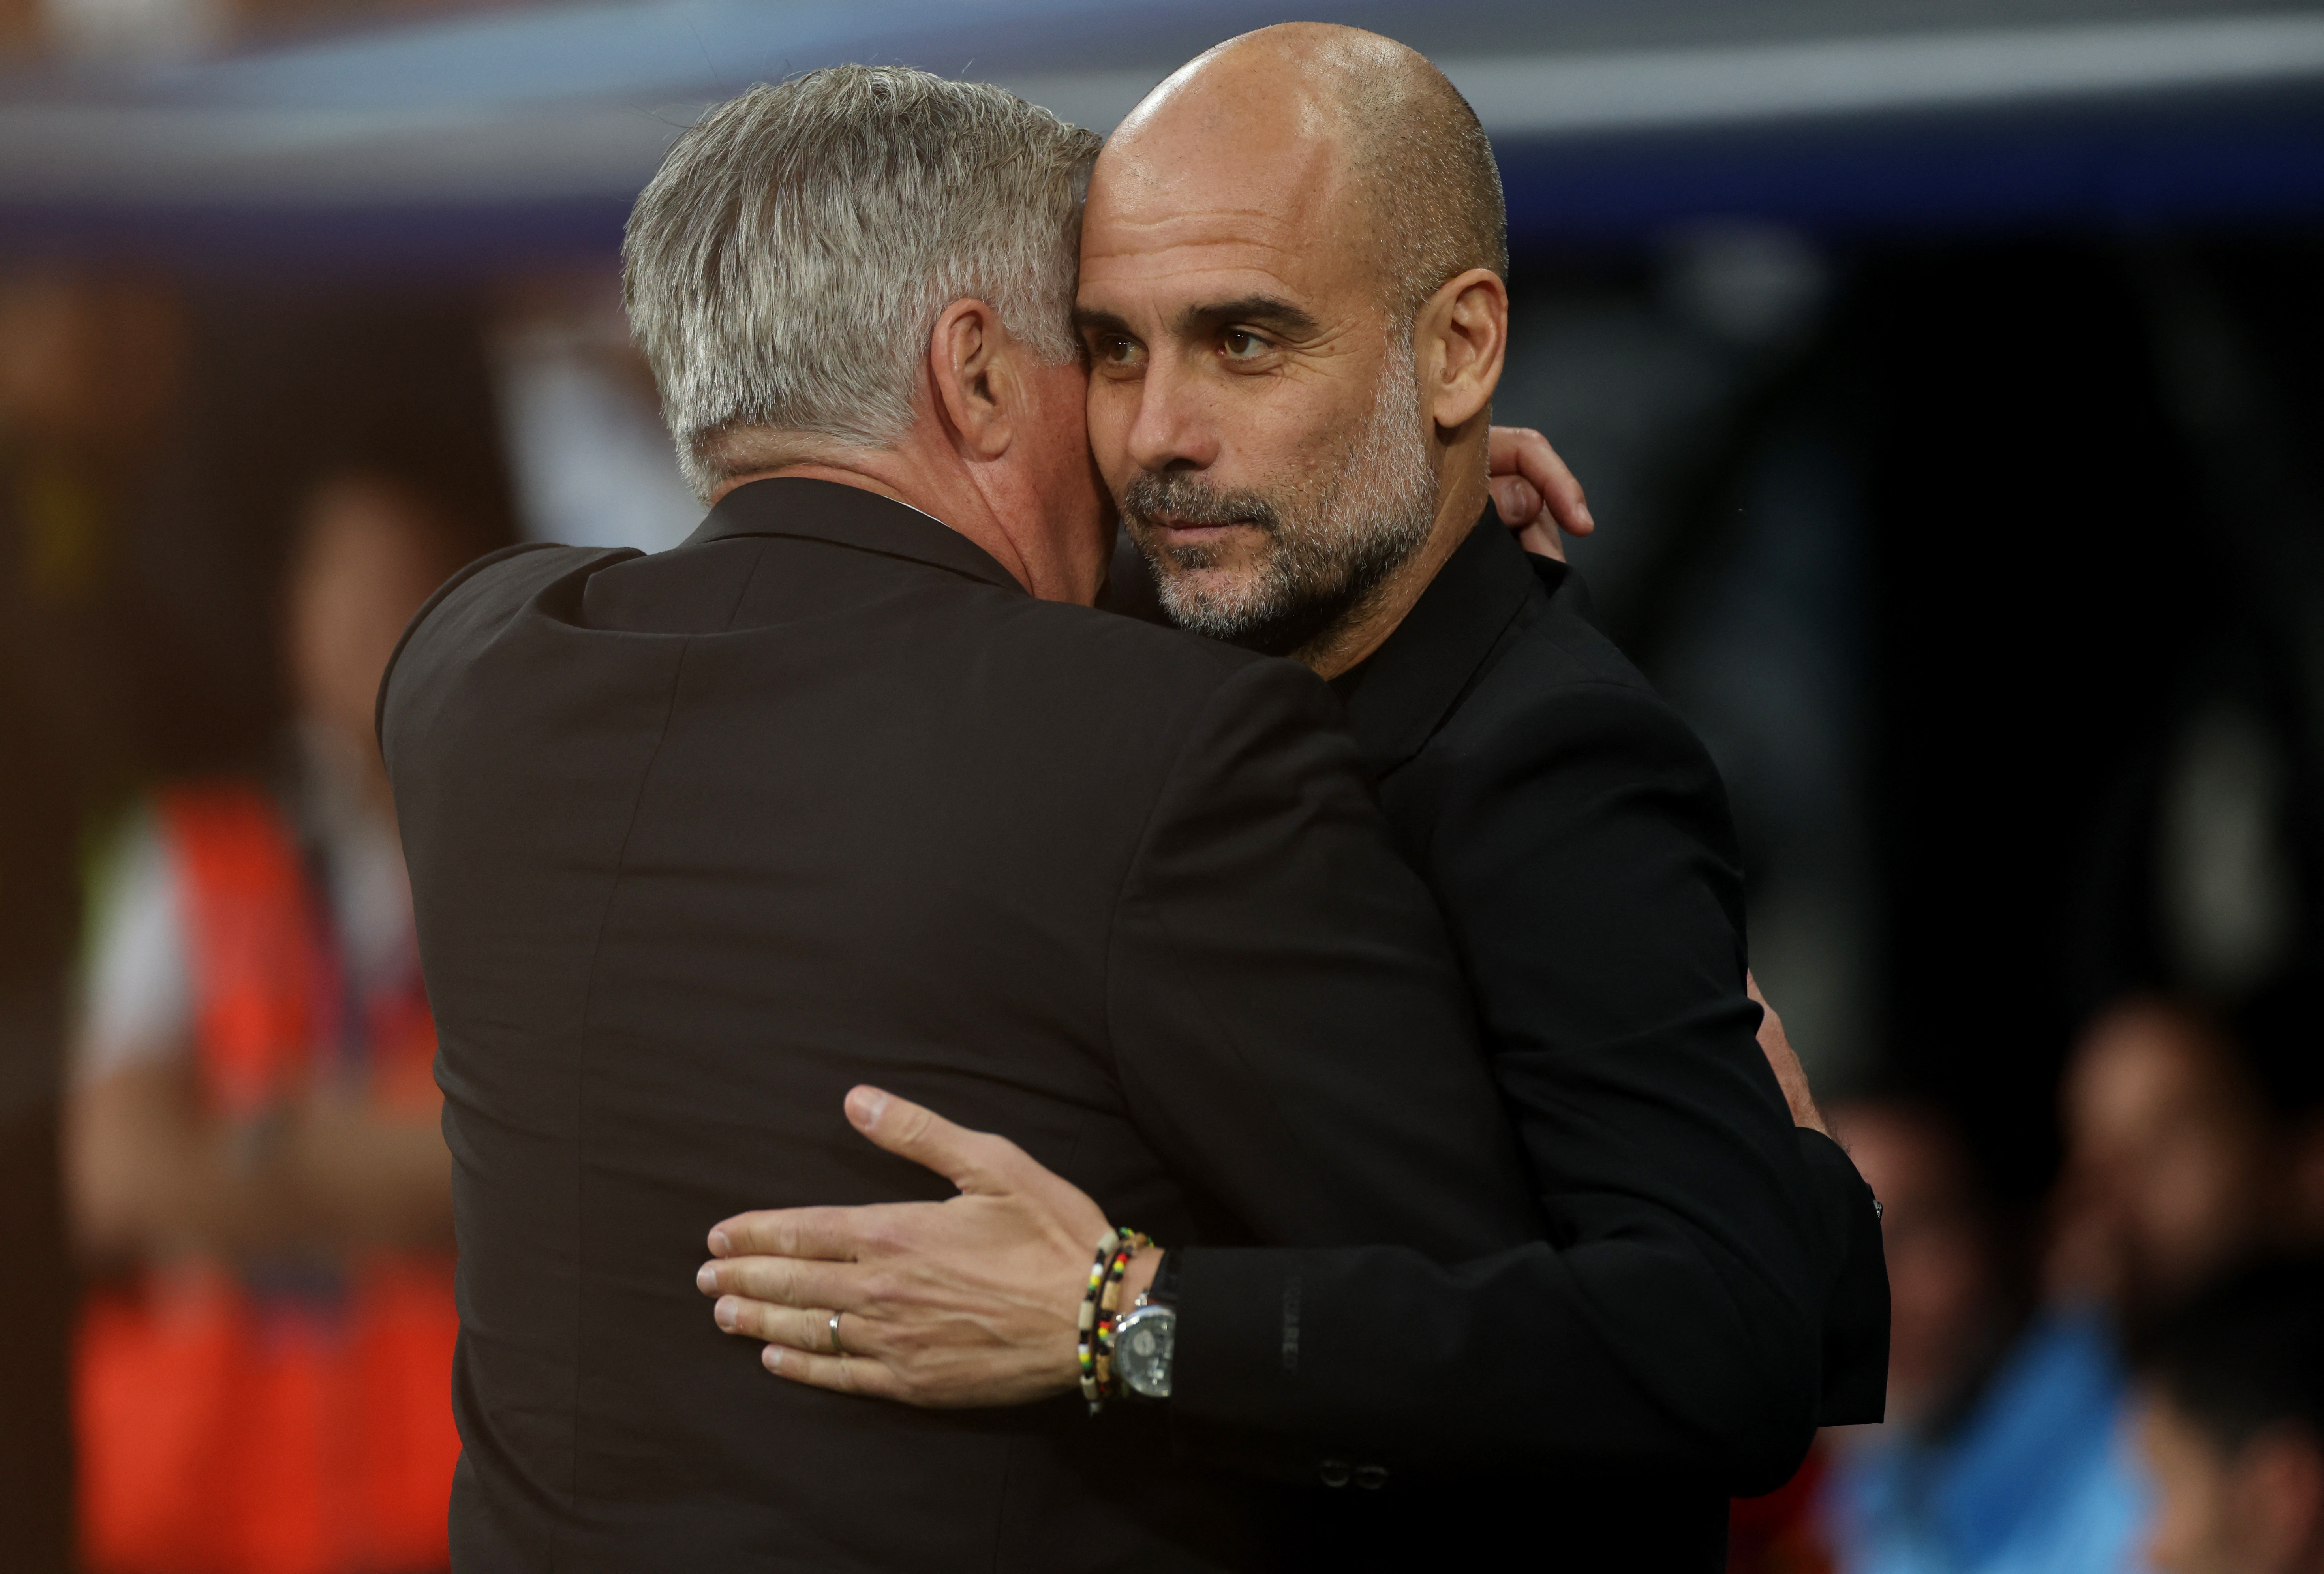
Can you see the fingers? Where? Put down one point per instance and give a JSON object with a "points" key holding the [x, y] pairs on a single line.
{"points": [[1525, 452], [1539, 463], [973, 1160], [1790, 1076], [832, 1234], [1542, 540], [1772, 1037], [1515, 499], [804, 1328], [786, 1282], [840, 1374]]}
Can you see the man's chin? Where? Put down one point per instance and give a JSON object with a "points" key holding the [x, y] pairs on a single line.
{"points": [[1220, 591]]}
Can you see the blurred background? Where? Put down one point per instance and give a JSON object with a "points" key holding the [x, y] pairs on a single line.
{"points": [[1948, 378]]}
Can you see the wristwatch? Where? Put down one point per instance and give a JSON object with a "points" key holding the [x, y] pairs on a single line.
{"points": [[1146, 1340]]}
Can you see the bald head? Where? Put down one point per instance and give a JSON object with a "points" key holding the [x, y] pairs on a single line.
{"points": [[1292, 300], [1383, 146]]}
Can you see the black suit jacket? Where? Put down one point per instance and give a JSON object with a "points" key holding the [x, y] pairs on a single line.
{"points": [[699, 840], [1710, 1285]]}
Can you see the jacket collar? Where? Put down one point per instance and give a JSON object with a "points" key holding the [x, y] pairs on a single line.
{"points": [[848, 517], [1417, 677]]}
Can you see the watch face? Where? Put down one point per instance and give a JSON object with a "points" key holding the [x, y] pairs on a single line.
{"points": [[1142, 1350]]}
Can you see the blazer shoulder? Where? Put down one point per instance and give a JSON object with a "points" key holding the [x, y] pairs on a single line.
{"points": [[481, 597], [1555, 645], [1556, 675], [1563, 722]]}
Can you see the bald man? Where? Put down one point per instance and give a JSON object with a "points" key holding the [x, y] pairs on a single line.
{"points": [[1292, 297]]}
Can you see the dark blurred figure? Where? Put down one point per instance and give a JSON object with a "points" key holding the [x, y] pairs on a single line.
{"points": [[1952, 1311], [2007, 1453], [1912, 1493], [253, 1163], [2174, 1169], [91, 373], [2232, 1428], [1855, 1503]]}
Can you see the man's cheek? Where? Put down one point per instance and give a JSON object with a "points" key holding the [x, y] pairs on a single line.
{"points": [[1110, 453]]}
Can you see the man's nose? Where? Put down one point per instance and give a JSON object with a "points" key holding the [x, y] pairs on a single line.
{"points": [[1172, 430]]}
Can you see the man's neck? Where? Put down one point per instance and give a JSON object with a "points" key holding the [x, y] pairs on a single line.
{"points": [[1354, 638], [896, 474], [817, 470]]}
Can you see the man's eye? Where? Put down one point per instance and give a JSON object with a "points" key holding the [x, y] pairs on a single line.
{"points": [[1242, 344], [1114, 351]]}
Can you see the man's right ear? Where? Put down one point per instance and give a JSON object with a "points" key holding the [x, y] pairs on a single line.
{"points": [[974, 373]]}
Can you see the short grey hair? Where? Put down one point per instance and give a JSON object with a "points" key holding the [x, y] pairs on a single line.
{"points": [[784, 268]]}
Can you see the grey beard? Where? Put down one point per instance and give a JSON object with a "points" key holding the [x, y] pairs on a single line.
{"points": [[1322, 557]]}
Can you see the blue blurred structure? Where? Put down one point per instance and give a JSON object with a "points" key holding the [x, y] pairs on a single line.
{"points": [[521, 136], [2035, 1479]]}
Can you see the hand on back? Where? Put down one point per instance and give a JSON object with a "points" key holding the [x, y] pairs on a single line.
{"points": [[969, 1301]]}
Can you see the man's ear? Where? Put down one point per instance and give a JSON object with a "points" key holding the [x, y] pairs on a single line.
{"points": [[1459, 342], [972, 368]]}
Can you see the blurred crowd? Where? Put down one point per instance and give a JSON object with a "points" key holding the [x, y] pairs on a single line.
{"points": [[2132, 1380], [225, 1065]]}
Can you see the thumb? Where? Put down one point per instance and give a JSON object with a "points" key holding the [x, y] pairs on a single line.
{"points": [[971, 1159]]}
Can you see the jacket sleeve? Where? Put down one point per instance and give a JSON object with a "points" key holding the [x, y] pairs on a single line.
{"points": [[1856, 1307], [1669, 1320], [1287, 1019]]}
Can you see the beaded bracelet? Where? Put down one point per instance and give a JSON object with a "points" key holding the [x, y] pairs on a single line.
{"points": [[1099, 1303]]}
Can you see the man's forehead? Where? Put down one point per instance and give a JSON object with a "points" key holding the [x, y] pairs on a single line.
{"points": [[1194, 151], [1201, 238], [1155, 229], [1193, 271]]}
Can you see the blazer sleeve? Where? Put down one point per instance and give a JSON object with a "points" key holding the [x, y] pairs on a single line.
{"points": [[1287, 1018], [1669, 1317], [1856, 1307]]}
